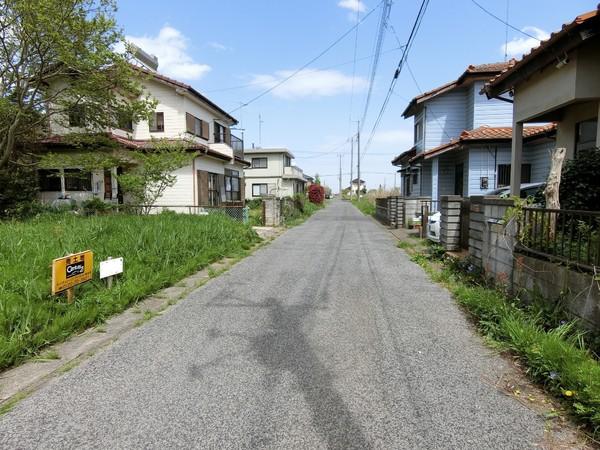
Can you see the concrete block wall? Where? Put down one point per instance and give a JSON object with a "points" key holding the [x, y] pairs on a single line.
{"points": [[271, 212], [476, 228], [450, 226]]}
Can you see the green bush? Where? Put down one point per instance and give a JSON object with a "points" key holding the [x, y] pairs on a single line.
{"points": [[580, 183], [18, 191], [158, 251], [95, 206]]}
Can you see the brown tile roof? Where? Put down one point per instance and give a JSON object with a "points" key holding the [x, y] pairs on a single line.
{"points": [[141, 144], [489, 134], [187, 87], [470, 73], [404, 157], [515, 65]]}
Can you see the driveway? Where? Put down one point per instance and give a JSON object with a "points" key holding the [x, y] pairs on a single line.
{"points": [[329, 337]]}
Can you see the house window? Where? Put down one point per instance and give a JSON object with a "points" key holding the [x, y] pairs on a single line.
{"points": [[232, 185], [585, 137], [258, 190], [504, 174], [221, 134], [78, 180], [287, 161], [49, 180], [76, 116], [125, 122], [259, 163], [214, 193], [418, 131], [195, 126], [157, 122]]}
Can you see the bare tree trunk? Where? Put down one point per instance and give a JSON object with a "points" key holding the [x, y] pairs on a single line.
{"points": [[553, 187]]}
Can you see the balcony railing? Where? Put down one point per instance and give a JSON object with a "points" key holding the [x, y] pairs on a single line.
{"points": [[293, 172], [237, 145]]}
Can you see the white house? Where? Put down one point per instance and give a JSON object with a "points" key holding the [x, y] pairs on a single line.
{"points": [[213, 178], [354, 186], [271, 173]]}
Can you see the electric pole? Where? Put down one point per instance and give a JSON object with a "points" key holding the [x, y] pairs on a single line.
{"points": [[260, 122], [351, 163], [340, 155], [358, 157]]}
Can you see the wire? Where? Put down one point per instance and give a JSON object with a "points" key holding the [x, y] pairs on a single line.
{"points": [[385, 14], [304, 66], [505, 22], [304, 74], [409, 43], [353, 72]]}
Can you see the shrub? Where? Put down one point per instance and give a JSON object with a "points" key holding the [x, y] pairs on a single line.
{"points": [[18, 191], [580, 184], [299, 201], [94, 206], [316, 194]]}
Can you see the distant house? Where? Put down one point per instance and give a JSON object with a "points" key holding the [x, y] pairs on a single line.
{"points": [[354, 186], [557, 81], [462, 140], [213, 178], [271, 173]]}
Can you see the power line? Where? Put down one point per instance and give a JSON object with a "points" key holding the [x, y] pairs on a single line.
{"points": [[353, 71], [304, 66], [385, 14], [409, 43], [505, 22], [304, 74]]}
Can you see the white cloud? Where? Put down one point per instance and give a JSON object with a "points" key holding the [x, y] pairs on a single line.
{"points": [[218, 46], [353, 5], [170, 46], [519, 46], [309, 83]]}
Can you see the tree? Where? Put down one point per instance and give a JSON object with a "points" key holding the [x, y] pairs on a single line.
{"points": [[57, 60], [153, 172], [580, 183]]}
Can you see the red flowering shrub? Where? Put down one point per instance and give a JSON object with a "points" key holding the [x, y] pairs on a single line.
{"points": [[316, 193]]}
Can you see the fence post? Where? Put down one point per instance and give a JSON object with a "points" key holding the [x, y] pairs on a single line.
{"points": [[450, 226]]}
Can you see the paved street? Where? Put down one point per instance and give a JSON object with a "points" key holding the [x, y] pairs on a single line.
{"points": [[329, 337]]}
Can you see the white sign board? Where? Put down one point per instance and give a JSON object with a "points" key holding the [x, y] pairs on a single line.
{"points": [[111, 267]]}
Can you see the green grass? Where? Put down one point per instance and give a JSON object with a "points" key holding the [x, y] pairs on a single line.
{"points": [[300, 217], [556, 357], [158, 251], [365, 205]]}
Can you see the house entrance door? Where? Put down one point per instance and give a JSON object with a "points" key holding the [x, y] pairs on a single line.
{"points": [[458, 179]]}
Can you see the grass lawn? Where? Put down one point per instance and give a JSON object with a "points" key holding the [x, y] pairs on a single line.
{"points": [[158, 251], [366, 205]]}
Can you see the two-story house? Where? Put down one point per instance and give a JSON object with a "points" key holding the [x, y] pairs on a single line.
{"points": [[462, 140], [557, 81], [214, 176], [271, 173]]}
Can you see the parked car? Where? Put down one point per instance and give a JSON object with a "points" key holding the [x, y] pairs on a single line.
{"points": [[434, 225], [527, 190]]}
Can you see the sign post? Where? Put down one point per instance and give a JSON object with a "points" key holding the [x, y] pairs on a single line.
{"points": [[110, 268], [71, 270]]}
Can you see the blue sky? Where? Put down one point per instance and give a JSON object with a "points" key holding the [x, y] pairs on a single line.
{"points": [[232, 50]]}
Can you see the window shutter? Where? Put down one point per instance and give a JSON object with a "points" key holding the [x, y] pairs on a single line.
{"points": [[189, 123], [205, 130], [202, 188]]}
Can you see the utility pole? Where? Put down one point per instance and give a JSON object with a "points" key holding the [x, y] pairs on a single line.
{"points": [[340, 155], [260, 122], [351, 163], [358, 157]]}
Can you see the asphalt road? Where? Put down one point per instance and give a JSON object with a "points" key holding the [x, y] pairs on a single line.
{"points": [[327, 338]]}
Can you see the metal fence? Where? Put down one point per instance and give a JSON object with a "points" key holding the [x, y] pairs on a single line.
{"points": [[567, 236], [236, 212]]}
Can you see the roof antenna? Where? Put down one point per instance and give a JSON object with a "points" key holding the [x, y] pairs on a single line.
{"points": [[506, 33]]}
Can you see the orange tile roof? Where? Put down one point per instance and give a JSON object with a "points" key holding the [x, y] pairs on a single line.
{"points": [[485, 133], [515, 65]]}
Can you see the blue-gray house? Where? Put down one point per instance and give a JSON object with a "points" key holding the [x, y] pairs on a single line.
{"points": [[462, 140]]}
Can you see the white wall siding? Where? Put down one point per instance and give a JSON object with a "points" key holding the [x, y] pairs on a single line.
{"points": [[171, 104], [182, 192], [493, 113], [446, 118]]}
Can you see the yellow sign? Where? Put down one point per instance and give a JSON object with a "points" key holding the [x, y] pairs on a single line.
{"points": [[71, 270]]}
